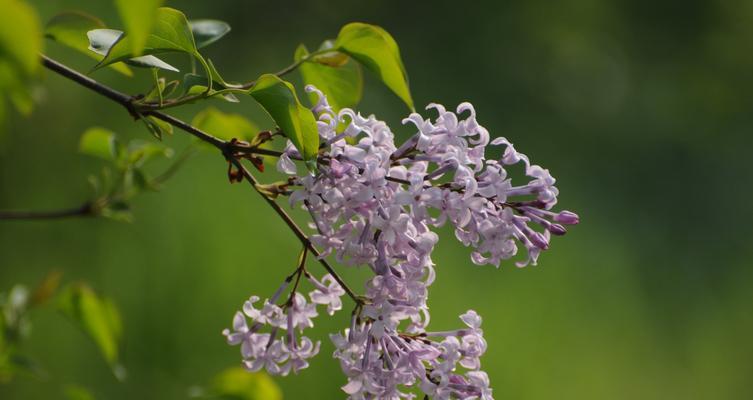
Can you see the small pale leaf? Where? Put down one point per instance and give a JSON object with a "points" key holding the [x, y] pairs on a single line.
{"points": [[101, 40], [99, 142], [171, 33], [208, 31], [97, 316], [70, 29]]}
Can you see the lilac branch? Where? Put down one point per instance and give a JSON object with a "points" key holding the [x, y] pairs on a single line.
{"points": [[227, 149]]}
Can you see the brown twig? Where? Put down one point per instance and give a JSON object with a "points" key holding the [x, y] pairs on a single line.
{"points": [[84, 210]]}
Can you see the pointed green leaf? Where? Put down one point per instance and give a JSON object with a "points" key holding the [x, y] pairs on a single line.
{"points": [[70, 29], [139, 17], [378, 52], [99, 142], [97, 316], [297, 122], [102, 40], [208, 31], [224, 125], [340, 81], [171, 33]]}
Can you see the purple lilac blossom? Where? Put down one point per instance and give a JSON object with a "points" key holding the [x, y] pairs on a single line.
{"points": [[374, 204]]}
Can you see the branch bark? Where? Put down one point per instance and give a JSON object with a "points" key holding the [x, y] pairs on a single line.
{"points": [[84, 210], [226, 148]]}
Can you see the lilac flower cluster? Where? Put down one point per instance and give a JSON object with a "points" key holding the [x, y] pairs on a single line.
{"points": [[278, 354], [374, 204]]}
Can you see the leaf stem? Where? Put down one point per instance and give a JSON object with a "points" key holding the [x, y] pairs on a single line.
{"points": [[290, 68]]}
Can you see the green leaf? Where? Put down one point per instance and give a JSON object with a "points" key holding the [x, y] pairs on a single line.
{"points": [[140, 152], [22, 100], [20, 45], [342, 83], [296, 121], [70, 29], [237, 383], [76, 392], [378, 52], [97, 316], [102, 40], [223, 125], [157, 127], [139, 17], [99, 142], [208, 31], [20, 38], [171, 33]]}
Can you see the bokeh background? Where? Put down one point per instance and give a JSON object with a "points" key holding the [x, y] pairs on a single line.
{"points": [[641, 109]]}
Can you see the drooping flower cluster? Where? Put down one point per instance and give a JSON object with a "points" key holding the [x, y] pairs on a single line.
{"points": [[374, 204], [278, 354]]}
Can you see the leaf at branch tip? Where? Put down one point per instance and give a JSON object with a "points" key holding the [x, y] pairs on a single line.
{"points": [[297, 122], [378, 52], [99, 142], [208, 31], [139, 17], [338, 77], [70, 29], [224, 125], [97, 316], [237, 383], [102, 40], [171, 33]]}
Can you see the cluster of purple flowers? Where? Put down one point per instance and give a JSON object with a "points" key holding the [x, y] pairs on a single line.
{"points": [[374, 204], [276, 352]]}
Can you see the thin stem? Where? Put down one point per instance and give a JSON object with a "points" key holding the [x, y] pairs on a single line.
{"points": [[298, 272], [223, 146], [175, 166], [296, 229], [93, 208], [84, 210], [290, 68]]}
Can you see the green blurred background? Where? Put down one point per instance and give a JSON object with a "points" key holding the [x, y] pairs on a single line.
{"points": [[641, 109]]}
